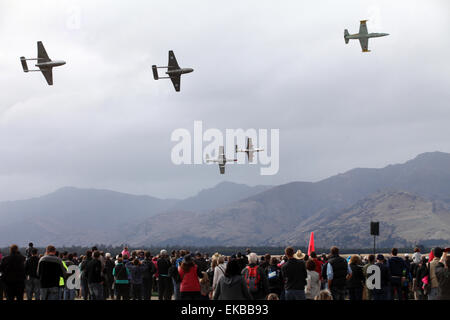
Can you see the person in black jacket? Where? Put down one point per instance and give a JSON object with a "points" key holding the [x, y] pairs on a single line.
{"points": [[108, 277], [398, 269], [275, 278], [32, 283], [50, 270], [420, 272], [95, 277], [337, 272], [147, 280], [165, 287], [294, 274], [355, 284], [12, 268], [382, 293]]}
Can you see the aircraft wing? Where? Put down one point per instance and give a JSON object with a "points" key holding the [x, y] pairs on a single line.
{"points": [[250, 156], [363, 27], [42, 54], [249, 144], [48, 74], [176, 80], [222, 168], [173, 64], [364, 44]]}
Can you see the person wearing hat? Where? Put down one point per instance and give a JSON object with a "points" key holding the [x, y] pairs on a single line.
{"points": [[294, 274], [433, 294], [382, 293]]}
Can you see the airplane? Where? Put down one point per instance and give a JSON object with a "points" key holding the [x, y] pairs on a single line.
{"points": [[222, 160], [363, 36], [44, 63], [250, 150], [174, 71]]}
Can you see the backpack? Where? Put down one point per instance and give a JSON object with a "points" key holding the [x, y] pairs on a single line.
{"points": [[121, 272], [252, 278]]}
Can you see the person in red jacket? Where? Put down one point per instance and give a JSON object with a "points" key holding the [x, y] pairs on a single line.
{"points": [[189, 274], [318, 263]]}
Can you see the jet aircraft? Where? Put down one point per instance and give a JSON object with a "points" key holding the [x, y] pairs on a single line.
{"points": [[44, 63], [174, 71], [363, 36], [250, 150], [221, 160]]}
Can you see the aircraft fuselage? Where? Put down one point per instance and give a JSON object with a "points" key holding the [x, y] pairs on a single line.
{"points": [[179, 71], [369, 35]]}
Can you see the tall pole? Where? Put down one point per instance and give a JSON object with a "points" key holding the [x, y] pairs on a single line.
{"points": [[374, 248]]}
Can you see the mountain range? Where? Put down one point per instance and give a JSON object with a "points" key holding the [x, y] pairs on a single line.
{"points": [[410, 200]]}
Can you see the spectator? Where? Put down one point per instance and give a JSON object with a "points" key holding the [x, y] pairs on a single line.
{"points": [[355, 283], [12, 268], [294, 274], [68, 294], [433, 294], [189, 272], [255, 278], [125, 252], [149, 270], [219, 272], [50, 270], [324, 295], [275, 278], [122, 284], [165, 286], [28, 252], [421, 271], [94, 277], [108, 277], [312, 281], [205, 287], [32, 285], [136, 279], [443, 276], [417, 256], [397, 269], [232, 285], [337, 272], [83, 270], [201, 262], [370, 262], [382, 293]]}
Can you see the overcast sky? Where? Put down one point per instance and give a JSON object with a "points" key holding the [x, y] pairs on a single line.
{"points": [[258, 64]]}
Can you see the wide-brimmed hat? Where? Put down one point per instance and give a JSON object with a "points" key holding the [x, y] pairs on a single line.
{"points": [[299, 255]]}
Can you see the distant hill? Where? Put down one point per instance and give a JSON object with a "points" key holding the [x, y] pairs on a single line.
{"points": [[287, 213], [411, 200], [85, 216], [218, 196]]}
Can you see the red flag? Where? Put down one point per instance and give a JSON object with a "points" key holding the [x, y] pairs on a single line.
{"points": [[431, 256], [311, 244]]}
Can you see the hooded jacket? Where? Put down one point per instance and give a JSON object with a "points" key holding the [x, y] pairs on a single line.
{"points": [[232, 288]]}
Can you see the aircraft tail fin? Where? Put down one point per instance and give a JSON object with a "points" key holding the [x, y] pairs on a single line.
{"points": [[346, 34], [155, 72], [24, 64]]}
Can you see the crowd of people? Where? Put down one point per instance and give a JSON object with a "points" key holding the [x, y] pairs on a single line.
{"points": [[182, 275]]}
